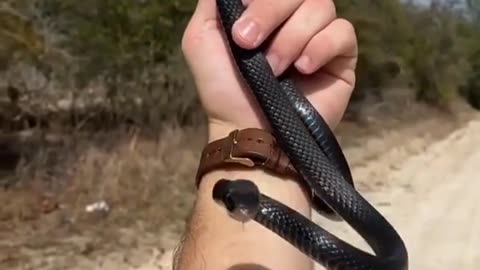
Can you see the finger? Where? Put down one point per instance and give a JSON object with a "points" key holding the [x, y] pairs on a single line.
{"points": [[328, 94], [260, 19], [343, 68], [337, 39], [309, 19]]}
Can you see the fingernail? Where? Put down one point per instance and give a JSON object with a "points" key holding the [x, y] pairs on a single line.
{"points": [[304, 63], [248, 30], [274, 61]]}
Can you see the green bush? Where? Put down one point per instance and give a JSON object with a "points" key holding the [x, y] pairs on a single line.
{"points": [[470, 90], [19, 40]]}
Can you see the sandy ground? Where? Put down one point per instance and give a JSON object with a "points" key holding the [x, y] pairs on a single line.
{"points": [[431, 198]]}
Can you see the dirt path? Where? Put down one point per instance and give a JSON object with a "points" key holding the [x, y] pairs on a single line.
{"points": [[431, 198]]}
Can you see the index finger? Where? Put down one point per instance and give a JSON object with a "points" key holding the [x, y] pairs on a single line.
{"points": [[260, 19]]}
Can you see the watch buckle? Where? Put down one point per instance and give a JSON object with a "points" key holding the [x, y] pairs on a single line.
{"points": [[233, 159]]}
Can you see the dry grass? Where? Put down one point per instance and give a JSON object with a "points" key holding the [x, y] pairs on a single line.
{"points": [[147, 183], [140, 179]]}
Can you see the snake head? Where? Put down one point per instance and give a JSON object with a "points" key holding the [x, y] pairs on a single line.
{"points": [[240, 197]]}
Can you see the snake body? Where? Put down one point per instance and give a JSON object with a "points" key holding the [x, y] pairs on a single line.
{"points": [[311, 147]]}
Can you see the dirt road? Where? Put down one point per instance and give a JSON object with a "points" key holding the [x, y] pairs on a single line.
{"points": [[431, 198]]}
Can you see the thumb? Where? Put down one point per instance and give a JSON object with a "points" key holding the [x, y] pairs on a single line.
{"points": [[203, 45], [204, 19], [205, 10], [202, 30]]}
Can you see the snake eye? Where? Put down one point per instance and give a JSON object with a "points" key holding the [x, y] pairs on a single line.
{"points": [[229, 203]]}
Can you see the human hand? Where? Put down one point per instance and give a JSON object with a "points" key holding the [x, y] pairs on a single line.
{"points": [[309, 28], [322, 47]]}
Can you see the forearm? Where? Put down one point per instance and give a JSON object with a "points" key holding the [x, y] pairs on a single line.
{"points": [[215, 241]]}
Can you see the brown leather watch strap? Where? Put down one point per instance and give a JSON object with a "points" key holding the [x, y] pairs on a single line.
{"points": [[249, 147]]}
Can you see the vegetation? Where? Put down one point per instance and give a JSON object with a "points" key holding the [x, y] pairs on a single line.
{"points": [[130, 50]]}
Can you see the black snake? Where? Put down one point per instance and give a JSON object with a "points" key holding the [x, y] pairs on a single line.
{"points": [[314, 152]]}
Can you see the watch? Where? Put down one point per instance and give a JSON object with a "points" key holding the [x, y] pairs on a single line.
{"points": [[250, 147]]}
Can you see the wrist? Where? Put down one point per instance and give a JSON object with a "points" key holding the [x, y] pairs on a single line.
{"points": [[211, 231], [218, 129], [282, 188], [214, 232], [254, 144]]}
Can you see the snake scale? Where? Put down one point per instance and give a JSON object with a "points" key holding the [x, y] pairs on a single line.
{"points": [[314, 152]]}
